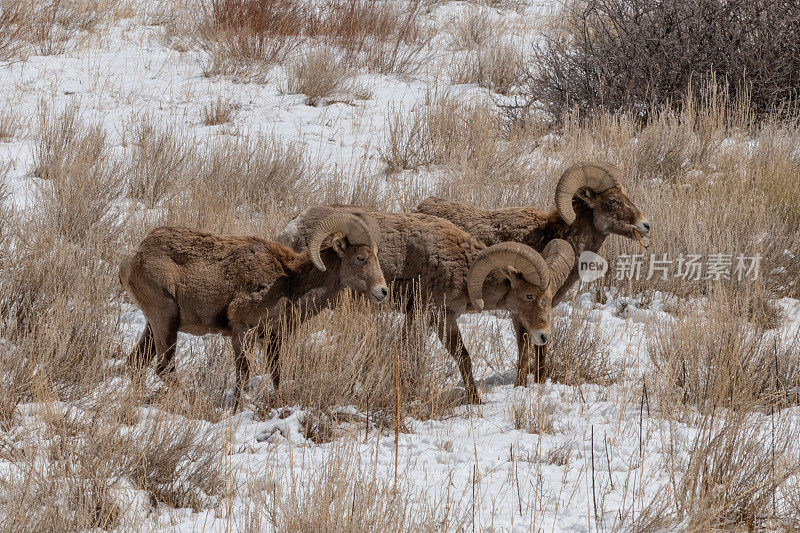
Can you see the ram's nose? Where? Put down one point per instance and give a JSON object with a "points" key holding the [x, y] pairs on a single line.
{"points": [[379, 294], [539, 337], [643, 227]]}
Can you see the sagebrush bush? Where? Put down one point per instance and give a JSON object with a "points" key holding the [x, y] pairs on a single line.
{"points": [[320, 74], [161, 163], [636, 54]]}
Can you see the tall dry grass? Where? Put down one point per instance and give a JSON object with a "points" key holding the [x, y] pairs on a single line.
{"points": [[247, 38], [731, 474], [708, 177], [714, 358], [53, 27], [338, 497], [347, 357]]}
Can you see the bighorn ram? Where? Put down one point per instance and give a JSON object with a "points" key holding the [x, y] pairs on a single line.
{"points": [[198, 283], [430, 259], [590, 205]]}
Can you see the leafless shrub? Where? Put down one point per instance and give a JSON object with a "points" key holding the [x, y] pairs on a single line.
{"points": [[473, 29], [383, 37], [337, 497], [464, 144], [68, 481], [177, 462], [579, 352], [218, 112], [74, 477], [266, 172], [667, 47], [464, 138], [65, 145], [45, 498], [54, 301], [80, 181]]}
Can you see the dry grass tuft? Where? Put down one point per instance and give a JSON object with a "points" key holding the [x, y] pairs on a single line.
{"points": [[162, 163], [178, 463], [320, 74], [80, 182], [338, 497], [713, 358], [246, 38], [497, 66], [732, 478], [376, 35], [11, 123], [579, 352], [52, 27], [529, 412], [219, 112], [474, 28], [466, 144]]}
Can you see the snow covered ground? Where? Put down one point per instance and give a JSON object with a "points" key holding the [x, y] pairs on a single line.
{"points": [[605, 451]]}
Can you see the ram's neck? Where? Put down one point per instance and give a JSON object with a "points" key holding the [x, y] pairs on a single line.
{"points": [[310, 288], [581, 234], [495, 289]]}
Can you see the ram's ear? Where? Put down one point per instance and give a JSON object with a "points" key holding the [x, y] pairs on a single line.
{"points": [[339, 244], [511, 274], [587, 195]]}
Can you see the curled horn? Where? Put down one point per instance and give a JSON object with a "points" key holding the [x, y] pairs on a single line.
{"points": [[353, 227], [560, 258], [506, 254], [597, 176]]}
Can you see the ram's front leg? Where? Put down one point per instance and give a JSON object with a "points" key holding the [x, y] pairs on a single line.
{"points": [[450, 336], [532, 359], [523, 354]]}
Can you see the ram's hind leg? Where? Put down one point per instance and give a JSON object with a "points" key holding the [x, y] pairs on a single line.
{"points": [[242, 368], [165, 333], [450, 336], [145, 350]]}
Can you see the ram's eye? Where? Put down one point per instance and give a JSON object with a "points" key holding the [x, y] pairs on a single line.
{"points": [[361, 259], [613, 202], [529, 297]]}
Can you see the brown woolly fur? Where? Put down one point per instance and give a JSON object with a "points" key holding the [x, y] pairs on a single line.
{"points": [[430, 259], [198, 283], [597, 215]]}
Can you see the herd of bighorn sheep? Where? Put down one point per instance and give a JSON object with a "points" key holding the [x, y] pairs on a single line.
{"points": [[456, 257]]}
